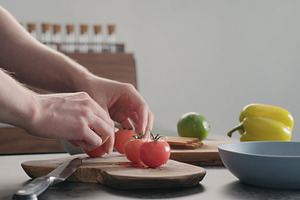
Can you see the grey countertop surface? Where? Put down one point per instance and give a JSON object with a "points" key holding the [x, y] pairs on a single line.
{"points": [[218, 183]]}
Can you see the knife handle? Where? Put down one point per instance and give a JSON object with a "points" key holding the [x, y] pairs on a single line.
{"points": [[34, 188]]}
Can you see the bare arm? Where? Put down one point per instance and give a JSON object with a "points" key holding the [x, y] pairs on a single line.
{"points": [[34, 63], [16, 102], [66, 116], [70, 115]]}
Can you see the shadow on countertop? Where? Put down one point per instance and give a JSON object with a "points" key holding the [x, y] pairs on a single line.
{"points": [[90, 191], [156, 193], [240, 190]]}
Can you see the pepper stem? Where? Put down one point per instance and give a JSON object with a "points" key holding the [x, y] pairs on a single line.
{"points": [[236, 128]]}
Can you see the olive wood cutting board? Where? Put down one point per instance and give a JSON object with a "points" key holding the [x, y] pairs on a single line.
{"points": [[116, 171], [207, 154]]}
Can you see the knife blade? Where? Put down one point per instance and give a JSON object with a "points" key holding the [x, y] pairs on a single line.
{"points": [[39, 185]]}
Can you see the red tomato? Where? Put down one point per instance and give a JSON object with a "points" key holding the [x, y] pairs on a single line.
{"points": [[98, 152], [121, 138], [155, 153], [132, 150]]}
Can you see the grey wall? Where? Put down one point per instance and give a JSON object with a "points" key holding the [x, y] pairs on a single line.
{"points": [[208, 56]]}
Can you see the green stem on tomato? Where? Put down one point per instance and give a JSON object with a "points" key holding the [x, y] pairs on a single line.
{"points": [[139, 136], [156, 137]]}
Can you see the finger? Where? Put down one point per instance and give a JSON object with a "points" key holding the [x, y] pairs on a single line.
{"points": [[104, 115], [135, 118], [137, 105], [126, 124], [150, 120], [106, 132], [99, 132], [143, 118], [108, 145], [82, 98], [91, 140], [91, 104], [149, 124], [120, 111]]}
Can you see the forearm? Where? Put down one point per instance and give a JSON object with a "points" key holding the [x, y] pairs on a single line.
{"points": [[68, 116], [34, 63], [16, 102], [37, 65]]}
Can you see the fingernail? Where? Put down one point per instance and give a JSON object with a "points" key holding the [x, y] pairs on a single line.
{"points": [[109, 151], [143, 130]]}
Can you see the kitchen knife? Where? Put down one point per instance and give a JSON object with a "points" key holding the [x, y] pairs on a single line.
{"points": [[39, 185]]}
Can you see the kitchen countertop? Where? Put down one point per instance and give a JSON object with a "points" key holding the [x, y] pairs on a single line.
{"points": [[218, 183]]}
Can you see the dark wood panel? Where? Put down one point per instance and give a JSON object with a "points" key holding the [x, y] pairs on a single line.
{"points": [[104, 58], [118, 66], [15, 140]]}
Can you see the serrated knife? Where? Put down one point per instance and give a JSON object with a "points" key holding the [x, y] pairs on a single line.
{"points": [[39, 185]]}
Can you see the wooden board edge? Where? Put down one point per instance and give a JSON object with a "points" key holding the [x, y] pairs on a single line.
{"points": [[207, 158], [83, 174], [133, 183]]}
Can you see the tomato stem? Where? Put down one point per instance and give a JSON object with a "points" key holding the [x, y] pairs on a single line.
{"points": [[156, 137], [139, 136]]}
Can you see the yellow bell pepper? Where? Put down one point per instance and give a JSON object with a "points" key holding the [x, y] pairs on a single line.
{"points": [[260, 122]]}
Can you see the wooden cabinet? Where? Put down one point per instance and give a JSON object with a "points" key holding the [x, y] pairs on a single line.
{"points": [[118, 66]]}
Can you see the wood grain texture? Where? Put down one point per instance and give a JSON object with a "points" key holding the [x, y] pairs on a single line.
{"points": [[207, 154], [116, 171], [15, 140], [117, 66]]}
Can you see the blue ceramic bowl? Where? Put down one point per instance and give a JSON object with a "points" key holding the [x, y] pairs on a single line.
{"points": [[265, 164]]}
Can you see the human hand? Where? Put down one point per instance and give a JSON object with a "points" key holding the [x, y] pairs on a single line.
{"points": [[123, 102], [72, 116]]}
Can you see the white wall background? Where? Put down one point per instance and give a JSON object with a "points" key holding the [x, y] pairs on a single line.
{"points": [[208, 56]]}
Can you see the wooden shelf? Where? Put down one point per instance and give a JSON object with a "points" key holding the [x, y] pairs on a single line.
{"points": [[116, 66]]}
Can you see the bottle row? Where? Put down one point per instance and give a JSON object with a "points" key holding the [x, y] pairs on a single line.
{"points": [[70, 41]]}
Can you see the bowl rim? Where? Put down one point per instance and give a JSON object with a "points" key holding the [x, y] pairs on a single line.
{"points": [[222, 147]]}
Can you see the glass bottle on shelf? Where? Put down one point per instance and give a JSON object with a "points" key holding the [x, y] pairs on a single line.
{"points": [[69, 45], [83, 39], [46, 34], [56, 36], [31, 28], [112, 39], [97, 39]]}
